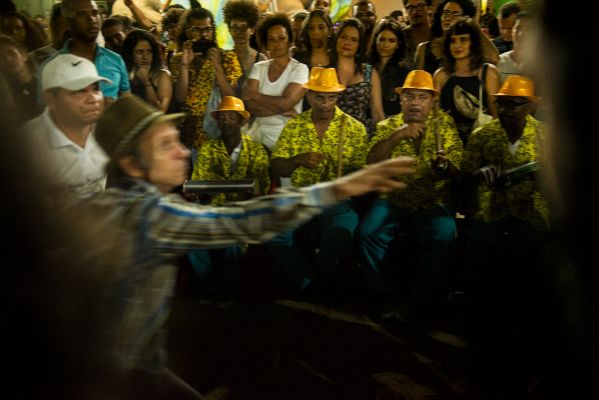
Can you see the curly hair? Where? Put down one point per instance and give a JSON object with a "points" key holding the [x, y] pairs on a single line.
{"points": [[172, 17], [134, 37], [271, 21], [245, 10], [399, 53], [463, 27]]}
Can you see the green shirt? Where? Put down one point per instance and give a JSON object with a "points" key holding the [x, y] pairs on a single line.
{"points": [[299, 136], [214, 163], [426, 188], [490, 145]]}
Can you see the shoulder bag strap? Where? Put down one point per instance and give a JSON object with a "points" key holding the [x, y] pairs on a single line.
{"points": [[480, 89]]}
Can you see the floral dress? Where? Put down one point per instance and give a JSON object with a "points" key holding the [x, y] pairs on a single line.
{"points": [[355, 100]]}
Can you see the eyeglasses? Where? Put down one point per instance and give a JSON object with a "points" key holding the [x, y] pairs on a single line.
{"points": [[415, 7], [453, 14], [202, 31], [238, 28], [511, 103]]}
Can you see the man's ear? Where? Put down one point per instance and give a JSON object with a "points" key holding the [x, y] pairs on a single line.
{"points": [[49, 99], [131, 167]]}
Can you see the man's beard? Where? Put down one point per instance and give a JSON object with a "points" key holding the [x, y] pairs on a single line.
{"points": [[203, 45]]}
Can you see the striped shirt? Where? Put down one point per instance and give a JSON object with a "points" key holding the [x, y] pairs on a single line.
{"points": [[155, 227]]}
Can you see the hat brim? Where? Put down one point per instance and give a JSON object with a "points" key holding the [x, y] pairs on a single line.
{"points": [[141, 129], [79, 84], [534, 99], [246, 115], [164, 118], [325, 89], [402, 88]]}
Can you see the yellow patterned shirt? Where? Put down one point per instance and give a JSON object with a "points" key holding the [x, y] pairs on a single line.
{"points": [[214, 163], [201, 82], [299, 136], [490, 145], [426, 188]]}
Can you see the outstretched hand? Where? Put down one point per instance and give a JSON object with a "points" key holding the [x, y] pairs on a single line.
{"points": [[378, 177]]}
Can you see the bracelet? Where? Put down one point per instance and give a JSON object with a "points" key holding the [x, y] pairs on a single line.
{"points": [[185, 65], [147, 84]]}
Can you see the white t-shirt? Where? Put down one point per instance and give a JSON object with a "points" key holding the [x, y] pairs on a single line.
{"points": [[507, 66], [62, 162], [268, 129]]}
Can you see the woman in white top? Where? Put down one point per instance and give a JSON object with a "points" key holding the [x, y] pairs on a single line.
{"points": [[274, 91]]}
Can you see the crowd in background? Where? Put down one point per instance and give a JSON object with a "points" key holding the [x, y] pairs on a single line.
{"points": [[443, 83]]}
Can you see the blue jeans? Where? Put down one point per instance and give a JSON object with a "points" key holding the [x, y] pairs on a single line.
{"points": [[218, 270], [433, 230], [336, 226]]}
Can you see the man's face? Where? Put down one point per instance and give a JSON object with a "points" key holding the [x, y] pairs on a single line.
{"points": [[76, 107], [512, 110], [200, 29], [114, 36], [520, 33], [324, 5], [505, 27], [366, 14], [417, 11], [322, 103], [416, 104], [165, 157], [229, 122], [84, 21]]}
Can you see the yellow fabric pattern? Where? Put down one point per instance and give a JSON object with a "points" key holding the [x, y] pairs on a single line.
{"points": [[490, 145], [201, 82], [214, 163], [299, 136], [426, 187]]}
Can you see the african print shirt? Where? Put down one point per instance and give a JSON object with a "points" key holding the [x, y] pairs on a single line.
{"points": [[299, 136], [426, 187], [201, 82], [214, 163], [490, 145]]}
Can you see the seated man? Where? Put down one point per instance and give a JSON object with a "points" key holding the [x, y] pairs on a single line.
{"points": [[317, 146], [423, 210], [232, 156], [508, 238]]}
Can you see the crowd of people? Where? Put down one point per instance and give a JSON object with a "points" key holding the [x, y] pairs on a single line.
{"points": [[431, 107]]}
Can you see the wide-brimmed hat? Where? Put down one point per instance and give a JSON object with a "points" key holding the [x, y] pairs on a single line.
{"points": [[124, 121], [518, 86], [70, 72], [324, 80], [418, 79], [231, 103]]}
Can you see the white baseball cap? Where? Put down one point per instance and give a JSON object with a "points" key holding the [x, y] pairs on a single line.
{"points": [[70, 72]]}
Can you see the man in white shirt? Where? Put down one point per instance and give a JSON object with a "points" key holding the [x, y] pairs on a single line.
{"points": [[61, 141]]}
